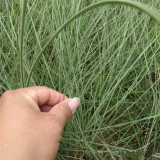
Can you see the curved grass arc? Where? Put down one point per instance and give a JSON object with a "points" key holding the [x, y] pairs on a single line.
{"points": [[152, 12]]}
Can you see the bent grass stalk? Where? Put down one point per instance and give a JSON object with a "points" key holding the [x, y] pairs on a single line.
{"points": [[152, 12]]}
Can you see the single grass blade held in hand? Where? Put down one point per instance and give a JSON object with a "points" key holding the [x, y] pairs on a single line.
{"points": [[144, 8], [23, 11]]}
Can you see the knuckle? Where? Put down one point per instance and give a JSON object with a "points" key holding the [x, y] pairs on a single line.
{"points": [[7, 94], [45, 87]]}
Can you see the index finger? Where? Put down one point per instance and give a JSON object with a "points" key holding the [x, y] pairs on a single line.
{"points": [[44, 95]]}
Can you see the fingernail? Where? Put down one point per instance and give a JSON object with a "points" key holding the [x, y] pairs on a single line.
{"points": [[74, 103]]}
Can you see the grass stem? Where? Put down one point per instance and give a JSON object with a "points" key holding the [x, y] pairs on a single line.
{"points": [[23, 10]]}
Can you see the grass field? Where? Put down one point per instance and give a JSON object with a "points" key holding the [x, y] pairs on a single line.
{"points": [[109, 58]]}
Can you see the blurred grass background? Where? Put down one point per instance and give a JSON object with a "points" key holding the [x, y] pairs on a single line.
{"points": [[109, 58]]}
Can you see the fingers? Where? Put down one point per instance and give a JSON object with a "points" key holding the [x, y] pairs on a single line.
{"points": [[64, 110], [47, 100], [44, 95], [45, 108]]}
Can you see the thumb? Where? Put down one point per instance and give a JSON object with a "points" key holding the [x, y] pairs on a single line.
{"points": [[64, 110]]}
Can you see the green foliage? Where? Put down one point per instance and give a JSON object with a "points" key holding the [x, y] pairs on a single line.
{"points": [[109, 57]]}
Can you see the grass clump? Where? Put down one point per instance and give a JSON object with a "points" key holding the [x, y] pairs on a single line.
{"points": [[109, 57]]}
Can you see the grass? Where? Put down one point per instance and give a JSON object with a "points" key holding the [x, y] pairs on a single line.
{"points": [[109, 57]]}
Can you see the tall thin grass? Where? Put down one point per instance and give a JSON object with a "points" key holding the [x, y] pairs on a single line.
{"points": [[109, 57]]}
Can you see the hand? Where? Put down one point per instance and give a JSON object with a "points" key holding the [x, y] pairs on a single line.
{"points": [[32, 121]]}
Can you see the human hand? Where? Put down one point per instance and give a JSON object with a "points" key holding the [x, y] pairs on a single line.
{"points": [[30, 127]]}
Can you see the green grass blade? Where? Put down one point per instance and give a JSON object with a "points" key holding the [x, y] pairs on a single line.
{"points": [[23, 10], [152, 12]]}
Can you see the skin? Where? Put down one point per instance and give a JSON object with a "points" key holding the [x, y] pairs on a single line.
{"points": [[30, 127]]}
